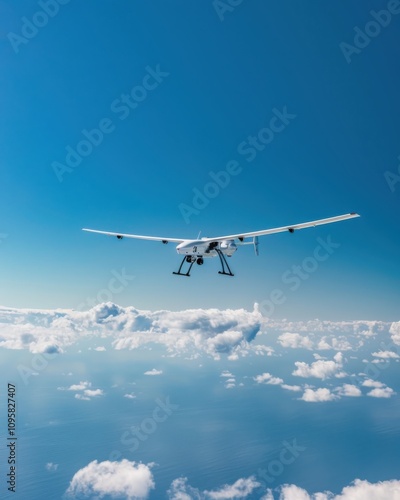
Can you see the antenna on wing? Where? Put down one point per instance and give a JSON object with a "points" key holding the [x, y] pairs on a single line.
{"points": [[198, 237]]}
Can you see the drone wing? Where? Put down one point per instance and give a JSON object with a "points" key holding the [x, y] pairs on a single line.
{"points": [[135, 236], [291, 229]]}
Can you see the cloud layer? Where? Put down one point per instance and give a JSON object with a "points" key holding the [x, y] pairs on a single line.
{"points": [[192, 331]]}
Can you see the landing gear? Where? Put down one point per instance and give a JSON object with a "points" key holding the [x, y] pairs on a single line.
{"points": [[223, 261], [189, 259]]}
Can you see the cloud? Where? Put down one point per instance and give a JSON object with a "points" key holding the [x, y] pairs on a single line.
{"points": [[192, 331], [295, 341], [385, 355], [230, 383], [267, 378], [81, 397], [181, 490], [240, 489], [51, 467], [384, 392], [358, 490], [80, 387], [349, 390], [318, 395], [130, 396], [320, 369], [295, 388], [226, 373], [86, 393], [372, 383], [100, 348], [93, 393], [125, 479], [189, 333], [330, 335], [153, 372]]}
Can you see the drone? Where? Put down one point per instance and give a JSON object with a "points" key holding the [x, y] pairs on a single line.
{"points": [[195, 251]]}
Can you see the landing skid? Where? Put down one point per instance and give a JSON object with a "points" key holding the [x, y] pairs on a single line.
{"points": [[180, 267], [223, 261], [226, 270]]}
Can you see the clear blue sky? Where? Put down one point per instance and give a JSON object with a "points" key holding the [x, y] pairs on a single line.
{"points": [[220, 82]]}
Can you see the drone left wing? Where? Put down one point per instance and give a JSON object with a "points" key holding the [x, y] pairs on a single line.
{"points": [[135, 236]]}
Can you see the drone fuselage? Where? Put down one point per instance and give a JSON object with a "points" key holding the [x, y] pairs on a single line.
{"points": [[206, 249]]}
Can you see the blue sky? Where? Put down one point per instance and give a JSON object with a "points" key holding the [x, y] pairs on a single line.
{"points": [[220, 82]]}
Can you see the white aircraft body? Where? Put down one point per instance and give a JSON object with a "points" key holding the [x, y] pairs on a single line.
{"points": [[222, 246]]}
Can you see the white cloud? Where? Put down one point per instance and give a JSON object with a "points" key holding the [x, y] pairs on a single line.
{"points": [[181, 490], [240, 489], [349, 390], [81, 397], [395, 332], [51, 467], [226, 373], [192, 331], [86, 393], [358, 490], [153, 372], [318, 395], [267, 378], [100, 348], [372, 383], [293, 492], [130, 396], [295, 388], [92, 393], [125, 479], [320, 369], [383, 392], [295, 341], [385, 354], [80, 387]]}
